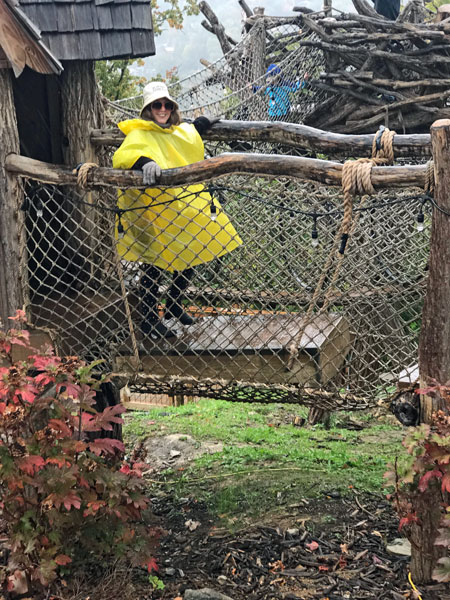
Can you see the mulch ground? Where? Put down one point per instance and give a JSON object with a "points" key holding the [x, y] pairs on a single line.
{"points": [[300, 556]]}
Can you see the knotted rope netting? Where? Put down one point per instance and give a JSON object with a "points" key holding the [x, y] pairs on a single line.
{"points": [[265, 329], [237, 86]]}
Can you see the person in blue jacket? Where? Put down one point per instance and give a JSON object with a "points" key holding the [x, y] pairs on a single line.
{"points": [[278, 90], [387, 8]]}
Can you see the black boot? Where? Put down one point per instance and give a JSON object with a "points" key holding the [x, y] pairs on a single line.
{"points": [[157, 330], [151, 324], [175, 295]]}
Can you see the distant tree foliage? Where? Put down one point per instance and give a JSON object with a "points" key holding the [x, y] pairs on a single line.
{"points": [[115, 77]]}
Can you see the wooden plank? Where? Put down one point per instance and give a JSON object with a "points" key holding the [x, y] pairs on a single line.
{"points": [[333, 352], [22, 44], [251, 348], [258, 332], [267, 369], [408, 376]]}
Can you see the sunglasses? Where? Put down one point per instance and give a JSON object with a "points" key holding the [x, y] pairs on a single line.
{"points": [[158, 105]]}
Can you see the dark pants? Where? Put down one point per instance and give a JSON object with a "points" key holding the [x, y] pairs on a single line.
{"points": [[149, 285]]}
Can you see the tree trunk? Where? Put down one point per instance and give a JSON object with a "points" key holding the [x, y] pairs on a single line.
{"points": [[82, 111], [12, 282], [424, 554], [434, 346]]}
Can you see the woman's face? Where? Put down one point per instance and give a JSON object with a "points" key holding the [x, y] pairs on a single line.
{"points": [[161, 110]]}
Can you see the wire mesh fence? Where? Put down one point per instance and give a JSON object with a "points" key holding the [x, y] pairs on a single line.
{"points": [[115, 275]]}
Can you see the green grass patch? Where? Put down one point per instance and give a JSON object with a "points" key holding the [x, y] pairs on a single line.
{"points": [[267, 462]]}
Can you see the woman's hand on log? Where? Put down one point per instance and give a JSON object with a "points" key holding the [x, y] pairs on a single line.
{"points": [[151, 172]]}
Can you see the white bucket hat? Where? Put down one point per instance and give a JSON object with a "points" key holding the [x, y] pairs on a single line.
{"points": [[156, 90]]}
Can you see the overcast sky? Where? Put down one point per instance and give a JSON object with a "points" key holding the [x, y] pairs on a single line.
{"points": [[184, 48]]}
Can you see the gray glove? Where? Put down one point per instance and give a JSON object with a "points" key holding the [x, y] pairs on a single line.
{"points": [[151, 172]]}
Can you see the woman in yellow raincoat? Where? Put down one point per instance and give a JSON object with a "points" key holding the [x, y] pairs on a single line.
{"points": [[179, 227]]}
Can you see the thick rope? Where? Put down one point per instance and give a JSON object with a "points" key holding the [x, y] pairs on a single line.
{"points": [[123, 290], [429, 177], [82, 172], [356, 180]]}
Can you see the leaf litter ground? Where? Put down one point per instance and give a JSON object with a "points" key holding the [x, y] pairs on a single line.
{"points": [[312, 525]]}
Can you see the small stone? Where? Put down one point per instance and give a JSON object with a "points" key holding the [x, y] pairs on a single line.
{"points": [[399, 546], [205, 594], [170, 571], [292, 531], [222, 579], [334, 494]]}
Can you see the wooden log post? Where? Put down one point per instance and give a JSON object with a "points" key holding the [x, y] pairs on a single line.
{"points": [[434, 352], [82, 109], [434, 345], [11, 275]]}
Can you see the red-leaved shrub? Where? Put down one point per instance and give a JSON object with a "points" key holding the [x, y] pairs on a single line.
{"points": [[66, 499]]}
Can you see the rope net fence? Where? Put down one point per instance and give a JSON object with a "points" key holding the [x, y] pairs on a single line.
{"points": [[262, 327], [238, 85]]}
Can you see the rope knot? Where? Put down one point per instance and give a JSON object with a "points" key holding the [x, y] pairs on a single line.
{"points": [[82, 172], [383, 145]]}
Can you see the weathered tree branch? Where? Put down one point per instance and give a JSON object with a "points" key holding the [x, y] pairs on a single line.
{"points": [[289, 134], [308, 169]]}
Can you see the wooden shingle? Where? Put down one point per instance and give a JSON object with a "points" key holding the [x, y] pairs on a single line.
{"points": [[111, 41], [121, 16], [93, 29], [64, 18]]}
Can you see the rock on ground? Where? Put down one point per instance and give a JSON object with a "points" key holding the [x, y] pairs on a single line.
{"points": [[204, 594]]}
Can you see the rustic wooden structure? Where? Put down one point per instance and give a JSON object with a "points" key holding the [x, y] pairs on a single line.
{"points": [[49, 106], [237, 344]]}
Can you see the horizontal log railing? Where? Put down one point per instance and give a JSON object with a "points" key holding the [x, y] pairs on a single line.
{"points": [[309, 169], [289, 134]]}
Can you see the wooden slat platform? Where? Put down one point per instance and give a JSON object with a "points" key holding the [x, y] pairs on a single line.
{"points": [[250, 348]]}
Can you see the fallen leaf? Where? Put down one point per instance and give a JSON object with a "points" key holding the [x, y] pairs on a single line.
{"points": [[312, 546], [192, 525], [375, 532]]}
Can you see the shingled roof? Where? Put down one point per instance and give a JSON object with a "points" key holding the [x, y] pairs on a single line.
{"points": [[93, 29]]}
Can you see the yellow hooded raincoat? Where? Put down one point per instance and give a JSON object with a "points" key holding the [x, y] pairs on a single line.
{"points": [[175, 230]]}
